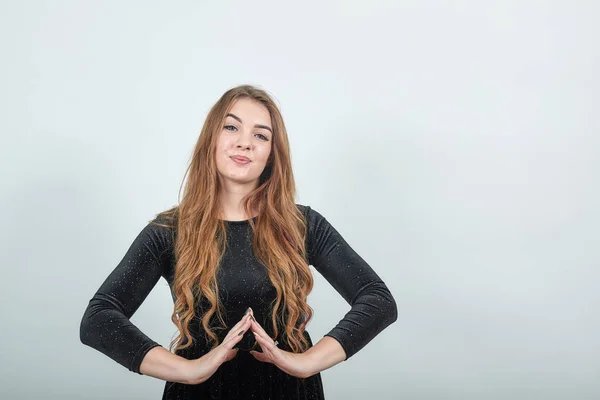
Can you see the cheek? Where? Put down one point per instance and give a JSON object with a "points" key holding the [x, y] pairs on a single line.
{"points": [[223, 143], [221, 151], [265, 152]]}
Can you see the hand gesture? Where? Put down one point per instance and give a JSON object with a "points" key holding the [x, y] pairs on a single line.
{"points": [[204, 367], [295, 364]]}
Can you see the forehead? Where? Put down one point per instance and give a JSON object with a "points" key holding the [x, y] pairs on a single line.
{"points": [[251, 111]]}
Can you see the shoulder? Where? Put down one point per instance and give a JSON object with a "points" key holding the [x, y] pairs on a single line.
{"points": [[302, 208], [308, 210], [313, 218], [320, 235], [165, 220], [160, 231]]}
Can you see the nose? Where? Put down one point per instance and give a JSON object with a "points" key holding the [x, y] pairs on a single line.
{"points": [[243, 140]]}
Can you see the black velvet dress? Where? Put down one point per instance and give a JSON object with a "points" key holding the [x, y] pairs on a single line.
{"points": [[243, 282]]}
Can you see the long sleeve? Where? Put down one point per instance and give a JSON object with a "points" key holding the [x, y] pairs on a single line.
{"points": [[372, 306], [105, 325]]}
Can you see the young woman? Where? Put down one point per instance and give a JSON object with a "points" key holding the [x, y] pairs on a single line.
{"points": [[236, 253]]}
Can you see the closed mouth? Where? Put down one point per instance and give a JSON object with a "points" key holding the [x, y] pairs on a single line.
{"points": [[240, 159]]}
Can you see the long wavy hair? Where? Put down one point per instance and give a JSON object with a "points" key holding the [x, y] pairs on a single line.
{"points": [[278, 240]]}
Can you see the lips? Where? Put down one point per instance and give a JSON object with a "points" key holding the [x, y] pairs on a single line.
{"points": [[240, 159]]}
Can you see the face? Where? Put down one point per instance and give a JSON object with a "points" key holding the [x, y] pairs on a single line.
{"points": [[244, 143]]}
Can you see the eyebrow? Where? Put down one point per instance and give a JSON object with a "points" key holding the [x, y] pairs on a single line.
{"points": [[256, 126]]}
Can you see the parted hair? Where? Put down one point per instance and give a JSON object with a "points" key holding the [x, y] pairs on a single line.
{"points": [[278, 240]]}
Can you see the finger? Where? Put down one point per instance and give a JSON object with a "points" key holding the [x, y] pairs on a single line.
{"points": [[234, 336], [241, 321], [266, 344], [244, 317], [256, 328], [236, 328]]}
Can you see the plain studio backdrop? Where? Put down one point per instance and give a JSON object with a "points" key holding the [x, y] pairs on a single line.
{"points": [[454, 144]]}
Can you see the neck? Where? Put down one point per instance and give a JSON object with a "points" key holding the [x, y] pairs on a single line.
{"points": [[231, 197]]}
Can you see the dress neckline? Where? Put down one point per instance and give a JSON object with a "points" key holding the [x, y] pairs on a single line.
{"points": [[242, 222]]}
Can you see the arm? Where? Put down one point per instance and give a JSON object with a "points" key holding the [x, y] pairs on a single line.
{"points": [[373, 307], [162, 364], [326, 353], [105, 325]]}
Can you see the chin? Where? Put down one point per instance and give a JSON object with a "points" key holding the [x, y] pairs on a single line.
{"points": [[241, 180]]}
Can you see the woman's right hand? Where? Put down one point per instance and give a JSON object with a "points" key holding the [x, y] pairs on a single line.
{"points": [[204, 367]]}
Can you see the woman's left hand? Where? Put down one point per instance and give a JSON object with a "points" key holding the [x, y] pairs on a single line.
{"points": [[295, 364]]}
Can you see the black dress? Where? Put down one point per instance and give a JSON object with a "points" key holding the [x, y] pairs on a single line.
{"points": [[243, 282]]}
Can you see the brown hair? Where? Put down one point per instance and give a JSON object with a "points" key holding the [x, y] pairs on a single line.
{"points": [[279, 231]]}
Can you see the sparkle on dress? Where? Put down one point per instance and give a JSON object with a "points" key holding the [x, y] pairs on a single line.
{"points": [[243, 282]]}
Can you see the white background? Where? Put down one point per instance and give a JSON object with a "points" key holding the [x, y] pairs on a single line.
{"points": [[454, 144]]}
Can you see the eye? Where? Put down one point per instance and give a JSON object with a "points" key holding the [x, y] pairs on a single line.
{"points": [[263, 137], [230, 126]]}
